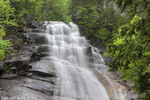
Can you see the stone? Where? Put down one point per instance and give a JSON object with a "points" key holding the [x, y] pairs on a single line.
{"points": [[38, 31], [37, 85], [29, 74], [45, 54], [51, 80], [43, 48], [1, 89], [8, 76], [110, 85], [41, 40], [37, 38], [31, 25], [43, 68], [89, 49], [21, 88], [36, 56], [21, 56]]}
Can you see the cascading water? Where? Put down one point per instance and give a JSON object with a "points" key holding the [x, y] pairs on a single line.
{"points": [[68, 53]]}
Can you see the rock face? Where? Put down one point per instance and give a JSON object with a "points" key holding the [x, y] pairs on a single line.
{"points": [[23, 74], [30, 72]]}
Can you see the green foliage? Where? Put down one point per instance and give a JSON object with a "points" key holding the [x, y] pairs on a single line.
{"points": [[132, 7], [53, 10], [5, 48], [99, 22], [6, 14], [130, 51], [26, 6], [84, 16], [12, 15], [57, 10], [2, 33]]}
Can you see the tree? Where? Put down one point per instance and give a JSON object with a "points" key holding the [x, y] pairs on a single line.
{"points": [[140, 7], [130, 52], [98, 21], [130, 49], [57, 10]]}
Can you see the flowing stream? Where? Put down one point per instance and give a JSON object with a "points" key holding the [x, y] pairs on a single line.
{"points": [[68, 52]]}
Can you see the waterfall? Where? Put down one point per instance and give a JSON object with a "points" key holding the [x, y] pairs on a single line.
{"points": [[68, 52]]}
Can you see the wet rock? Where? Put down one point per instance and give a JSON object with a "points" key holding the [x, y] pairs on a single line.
{"points": [[20, 58], [111, 86], [43, 48], [47, 58], [3, 94], [91, 65], [13, 69], [45, 26], [8, 76], [31, 25], [29, 74], [89, 50], [38, 31], [16, 63], [30, 49], [64, 98], [38, 24], [17, 88], [45, 54], [37, 85], [91, 59], [39, 76], [41, 73], [1, 89], [22, 55], [37, 38], [41, 40], [43, 68], [51, 80], [36, 56], [27, 29], [2, 69]]}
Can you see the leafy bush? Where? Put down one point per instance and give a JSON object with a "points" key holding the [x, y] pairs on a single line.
{"points": [[5, 48], [6, 12]]}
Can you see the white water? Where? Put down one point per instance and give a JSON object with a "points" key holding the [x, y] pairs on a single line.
{"points": [[69, 55]]}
